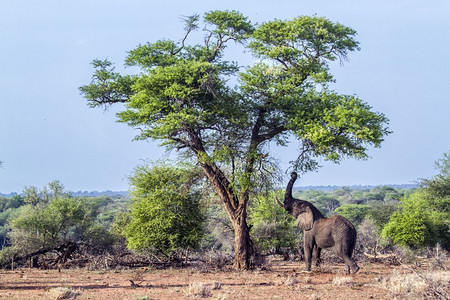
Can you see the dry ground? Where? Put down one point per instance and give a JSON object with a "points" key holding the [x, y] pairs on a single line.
{"points": [[281, 280]]}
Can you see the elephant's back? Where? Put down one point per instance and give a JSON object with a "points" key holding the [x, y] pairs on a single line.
{"points": [[342, 223]]}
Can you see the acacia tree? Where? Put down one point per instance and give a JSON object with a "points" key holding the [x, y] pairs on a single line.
{"points": [[183, 96]]}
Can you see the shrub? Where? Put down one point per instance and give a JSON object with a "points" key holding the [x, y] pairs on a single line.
{"points": [[418, 222], [368, 236], [166, 213], [273, 228], [51, 221]]}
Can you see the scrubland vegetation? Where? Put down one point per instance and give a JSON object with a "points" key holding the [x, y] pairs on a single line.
{"points": [[172, 219]]}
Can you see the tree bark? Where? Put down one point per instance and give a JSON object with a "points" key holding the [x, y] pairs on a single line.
{"points": [[237, 212], [242, 243]]}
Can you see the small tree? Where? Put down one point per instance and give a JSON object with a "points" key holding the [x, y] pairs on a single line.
{"points": [[423, 217], [166, 215], [43, 225], [369, 236], [408, 226]]}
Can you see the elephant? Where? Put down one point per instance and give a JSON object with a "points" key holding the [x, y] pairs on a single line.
{"points": [[335, 233]]}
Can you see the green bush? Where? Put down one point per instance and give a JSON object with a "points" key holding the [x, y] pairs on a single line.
{"points": [[381, 212], [272, 227], [48, 225], [166, 214], [410, 224], [422, 218], [52, 219]]}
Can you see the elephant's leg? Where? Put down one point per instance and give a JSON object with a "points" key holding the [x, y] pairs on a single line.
{"points": [[349, 263], [353, 265], [316, 255], [308, 248]]}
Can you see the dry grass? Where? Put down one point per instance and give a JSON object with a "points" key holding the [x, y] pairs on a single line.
{"points": [[314, 296], [199, 289], [430, 285], [226, 284], [291, 280], [202, 290], [61, 293], [342, 280]]}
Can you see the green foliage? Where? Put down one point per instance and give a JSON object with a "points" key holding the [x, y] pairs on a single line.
{"points": [[409, 226], [32, 195], [14, 202], [310, 36], [344, 196], [166, 215], [218, 227], [355, 213], [6, 254], [5, 218], [423, 217], [120, 223], [272, 227], [47, 226], [443, 164], [108, 84], [50, 219], [385, 193]]}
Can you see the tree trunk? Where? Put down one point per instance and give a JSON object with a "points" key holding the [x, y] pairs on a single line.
{"points": [[235, 207], [242, 243]]}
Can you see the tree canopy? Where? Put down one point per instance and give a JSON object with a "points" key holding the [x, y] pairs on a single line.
{"points": [[184, 97]]}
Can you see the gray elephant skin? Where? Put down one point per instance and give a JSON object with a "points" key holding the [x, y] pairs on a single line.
{"points": [[335, 233]]}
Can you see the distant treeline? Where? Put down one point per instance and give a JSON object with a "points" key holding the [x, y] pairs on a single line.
{"points": [[81, 194], [330, 188], [324, 188]]}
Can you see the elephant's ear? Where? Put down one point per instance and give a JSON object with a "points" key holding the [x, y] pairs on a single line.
{"points": [[305, 220]]}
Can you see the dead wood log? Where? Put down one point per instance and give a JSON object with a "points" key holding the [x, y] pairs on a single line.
{"points": [[66, 249]]}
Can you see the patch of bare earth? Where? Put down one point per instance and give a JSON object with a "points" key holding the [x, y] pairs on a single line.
{"points": [[281, 280]]}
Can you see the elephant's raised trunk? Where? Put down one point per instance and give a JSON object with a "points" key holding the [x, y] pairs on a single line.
{"points": [[288, 193]]}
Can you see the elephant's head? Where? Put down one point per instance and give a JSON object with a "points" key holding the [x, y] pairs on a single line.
{"points": [[303, 211]]}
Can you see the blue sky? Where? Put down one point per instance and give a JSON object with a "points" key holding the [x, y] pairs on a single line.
{"points": [[48, 132]]}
